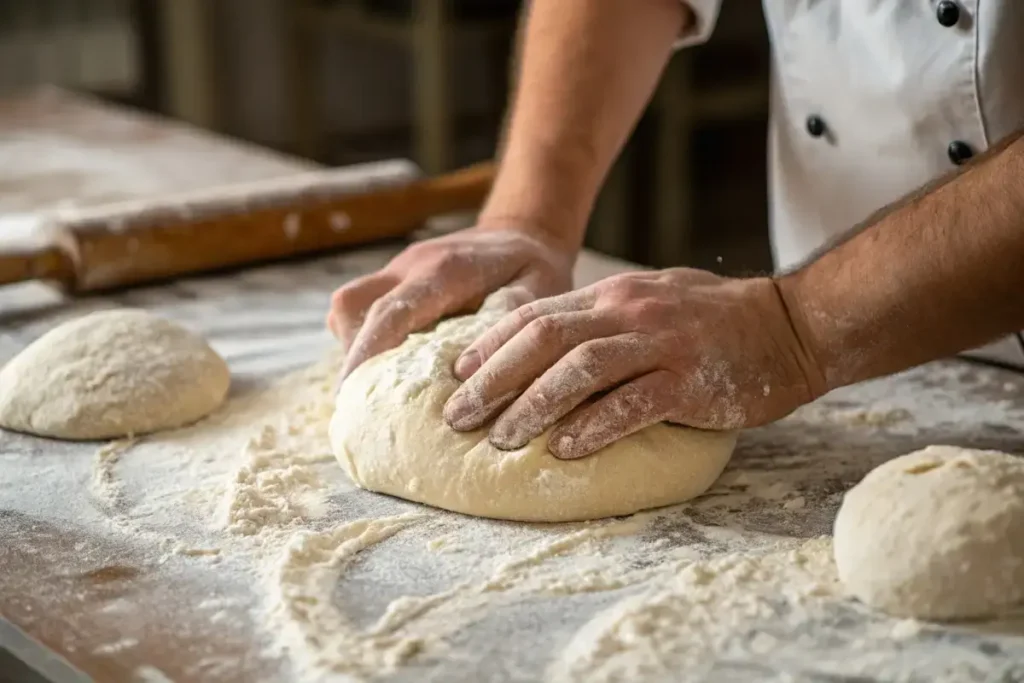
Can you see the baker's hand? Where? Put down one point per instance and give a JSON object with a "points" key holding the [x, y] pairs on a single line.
{"points": [[679, 345], [443, 276]]}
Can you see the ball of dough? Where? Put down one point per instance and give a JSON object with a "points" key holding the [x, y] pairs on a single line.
{"points": [[111, 374], [389, 435], [936, 534]]}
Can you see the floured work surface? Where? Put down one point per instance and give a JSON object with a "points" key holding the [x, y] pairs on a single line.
{"points": [[235, 550]]}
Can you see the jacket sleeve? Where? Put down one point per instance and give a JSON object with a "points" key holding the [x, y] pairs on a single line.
{"points": [[706, 13]]}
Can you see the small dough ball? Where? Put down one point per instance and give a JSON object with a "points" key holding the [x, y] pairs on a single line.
{"points": [[111, 374], [936, 534], [389, 434]]}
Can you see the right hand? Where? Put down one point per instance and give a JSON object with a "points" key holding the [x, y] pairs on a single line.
{"points": [[602, 362], [444, 276]]}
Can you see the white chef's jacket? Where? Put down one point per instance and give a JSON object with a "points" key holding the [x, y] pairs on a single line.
{"points": [[871, 99]]}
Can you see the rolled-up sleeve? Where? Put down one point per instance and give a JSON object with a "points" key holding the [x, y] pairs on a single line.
{"points": [[706, 14]]}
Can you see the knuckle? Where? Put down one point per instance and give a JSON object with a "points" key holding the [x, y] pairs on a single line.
{"points": [[429, 255], [377, 307], [332, 323], [622, 287], [446, 260], [590, 356], [342, 298], [417, 249], [522, 316], [485, 347], [644, 312], [638, 403], [544, 331], [406, 260]]}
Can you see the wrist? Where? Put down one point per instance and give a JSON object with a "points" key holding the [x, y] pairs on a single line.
{"points": [[810, 347], [546, 193], [549, 231]]}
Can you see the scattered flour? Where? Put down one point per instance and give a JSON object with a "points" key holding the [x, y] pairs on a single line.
{"points": [[269, 487], [292, 225], [277, 483], [674, 631], [340, 221], [311, 621], [117, 646], [679, 589], [151, 674], [108, 489], [342, 584], [312, 627]]}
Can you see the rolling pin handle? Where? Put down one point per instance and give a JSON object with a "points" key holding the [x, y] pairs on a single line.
{"points": [[141, 240], [49, 263]]}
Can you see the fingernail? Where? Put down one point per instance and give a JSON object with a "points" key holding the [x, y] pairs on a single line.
{"points": [[563, 446], [505, 437], [456, 410], [466, 365]]}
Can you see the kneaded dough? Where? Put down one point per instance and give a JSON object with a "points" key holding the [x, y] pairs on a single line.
{"points": [[936, 534], [389, 435], [111, 374]]}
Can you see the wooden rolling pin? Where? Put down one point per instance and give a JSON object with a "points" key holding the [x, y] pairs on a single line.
{"points": [[114, 245]]}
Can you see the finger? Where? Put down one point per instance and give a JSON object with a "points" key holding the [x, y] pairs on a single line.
{"points": [[591, 367], [350, 302], [520, 361], [628, 409], [481, 350], [410, 306]]}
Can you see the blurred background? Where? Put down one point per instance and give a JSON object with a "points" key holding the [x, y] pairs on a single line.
{"points": [[346, 81]]}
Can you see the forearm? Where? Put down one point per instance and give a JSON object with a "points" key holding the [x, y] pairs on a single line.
{"points": [[587, 70], [938, 273]]}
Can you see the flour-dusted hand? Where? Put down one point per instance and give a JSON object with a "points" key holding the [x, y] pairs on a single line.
{"points": [[679, 345], [439, 277]]}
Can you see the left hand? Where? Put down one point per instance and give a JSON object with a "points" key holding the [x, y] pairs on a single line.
{"points": [[679, 345]]}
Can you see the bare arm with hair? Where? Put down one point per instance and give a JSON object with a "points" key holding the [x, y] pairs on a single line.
{"points": [[939, 272], [587, 70]]}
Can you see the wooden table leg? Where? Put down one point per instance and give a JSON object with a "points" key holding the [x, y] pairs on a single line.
{"points": [[190, 67], [305, 61], [431, 72]]}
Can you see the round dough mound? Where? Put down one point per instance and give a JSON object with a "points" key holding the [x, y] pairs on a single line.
{"points": [[936, 534], [389, 435], [111, 374]]}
